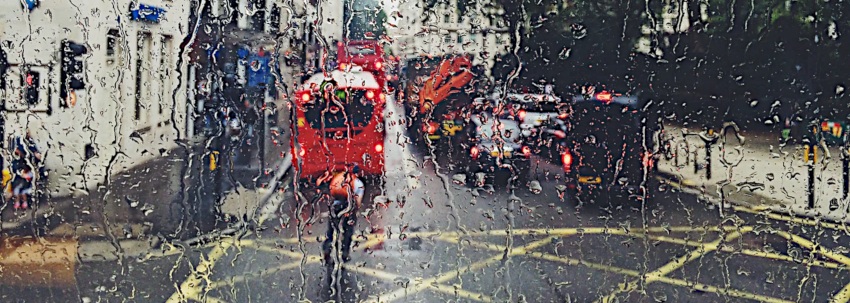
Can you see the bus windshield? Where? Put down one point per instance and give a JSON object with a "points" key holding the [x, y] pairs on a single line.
{"points": [[358, 110], [358, 50]]}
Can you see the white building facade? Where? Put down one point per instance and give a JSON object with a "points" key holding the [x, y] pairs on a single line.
{"points": [[133, 106], [443, 30]]}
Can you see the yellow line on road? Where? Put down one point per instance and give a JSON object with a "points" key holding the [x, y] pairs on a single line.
{"points": [[632, 273], [442, 278], [749, 252], [191, 288], [843, 295], [675, 264], [209, 300], [242, 278], [438, 287], [569, 231], [261, 246], [722, 291]]}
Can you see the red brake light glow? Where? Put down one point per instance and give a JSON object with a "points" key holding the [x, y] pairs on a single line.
{"points": [[603, 96], [370, 95], [526, 151], [379, 148], [431, 129], [522, 114], [382, 97], [473, 152], [567, 158], [378, 65], [305, 97], [560, 134]]}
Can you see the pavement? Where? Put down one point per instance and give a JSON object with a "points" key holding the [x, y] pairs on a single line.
{"points": [[760, 173], [423, 238]]}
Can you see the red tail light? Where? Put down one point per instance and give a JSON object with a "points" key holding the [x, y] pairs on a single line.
{"points": [[379, 148], [430, 128], [370, 95], [473, 152], [562, 116], [382, 97], [567, 158], [342, 66], [378, 65], [603, 96], [526, 151], [560, 134], [305, 97], [521, 115]]}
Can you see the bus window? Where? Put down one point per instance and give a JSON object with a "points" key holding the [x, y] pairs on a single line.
{"points": [[358, 111]]}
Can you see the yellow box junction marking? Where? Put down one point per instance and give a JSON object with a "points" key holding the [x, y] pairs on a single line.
{"points": [[454, 290], [675, 264], [627, 272], [192, 287], [420, 285]]}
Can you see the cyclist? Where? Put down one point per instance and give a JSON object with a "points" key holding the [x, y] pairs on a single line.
{"points": [[347, 191]]}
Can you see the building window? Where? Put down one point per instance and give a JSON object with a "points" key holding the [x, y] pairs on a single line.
{"points": [[114, 47], [447, 39], [499, 39], [142, 75], [274, 19], [165, 67], [459, 39], [446, 18]]}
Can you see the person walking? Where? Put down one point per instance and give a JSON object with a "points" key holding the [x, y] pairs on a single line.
{"points": [[347, 191]]}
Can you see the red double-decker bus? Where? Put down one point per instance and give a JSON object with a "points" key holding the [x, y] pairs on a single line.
{"points": [[339, 123], [366, 54]]}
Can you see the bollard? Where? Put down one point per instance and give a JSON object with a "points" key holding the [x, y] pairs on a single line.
{"points": [[707, 161], [845, 162], [811, 167]]}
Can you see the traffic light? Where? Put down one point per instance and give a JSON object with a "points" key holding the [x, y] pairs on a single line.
{"points": [[72, 68], [32, 81]]}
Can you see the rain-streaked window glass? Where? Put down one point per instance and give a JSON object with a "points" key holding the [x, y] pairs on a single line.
{"points": [[424, 151]]}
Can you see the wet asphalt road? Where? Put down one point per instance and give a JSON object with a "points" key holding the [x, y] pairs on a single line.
{"points": [[435, 241], [465, 250]]}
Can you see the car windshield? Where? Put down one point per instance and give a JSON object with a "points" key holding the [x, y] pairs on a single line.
{"points": [[360, 151]]}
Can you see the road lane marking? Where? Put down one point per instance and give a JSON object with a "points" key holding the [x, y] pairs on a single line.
{"points": [[843, 295], [191, 287], [261, 246], [209, 300], [675, 264], [632, 273], [438, 287], [442, 278], [749, 252], [245, 277]]}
